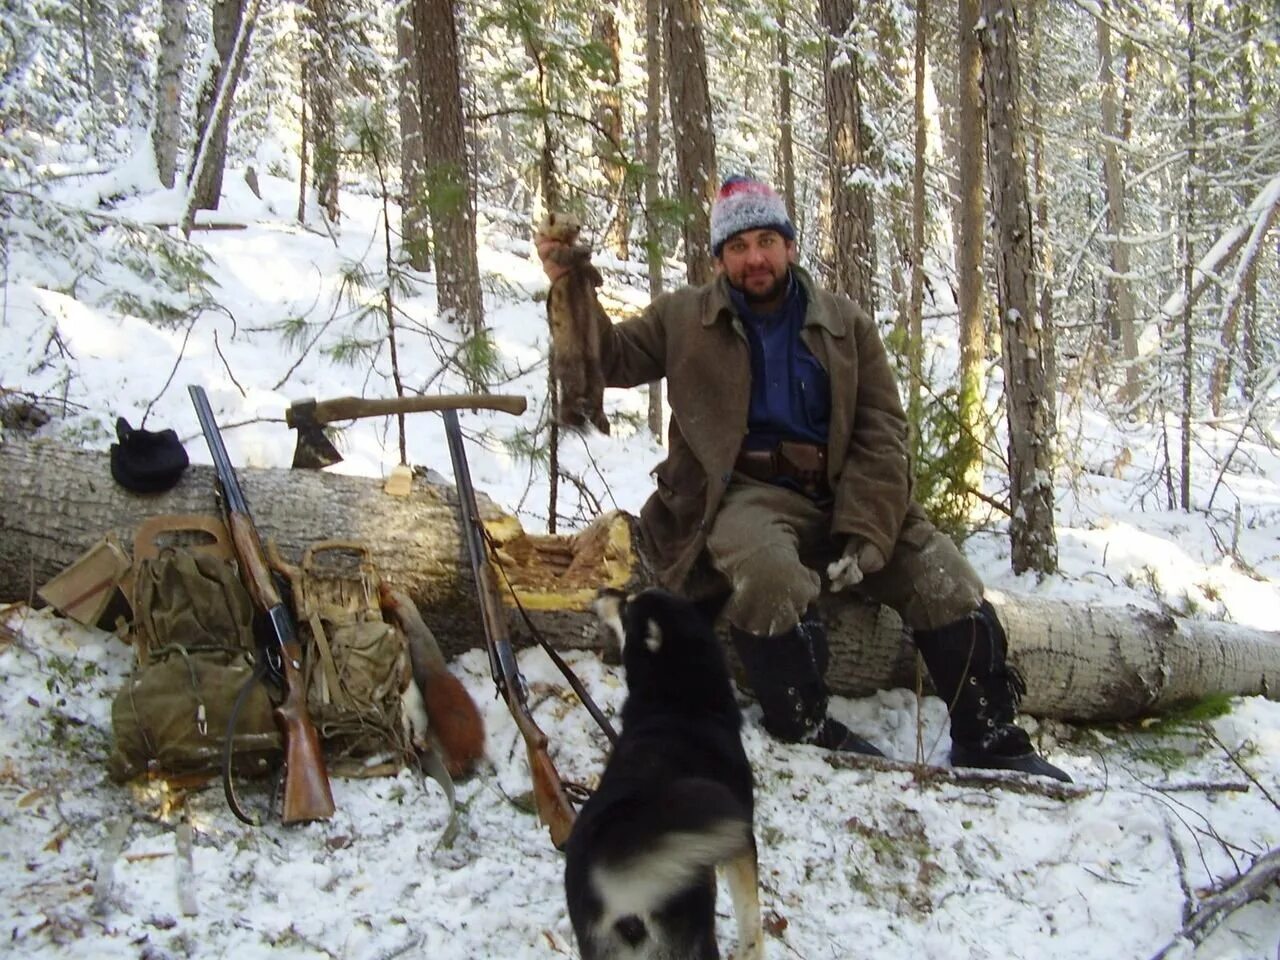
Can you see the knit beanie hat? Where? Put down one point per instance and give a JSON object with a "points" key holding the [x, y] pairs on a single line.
{"points": [[747, 204]]}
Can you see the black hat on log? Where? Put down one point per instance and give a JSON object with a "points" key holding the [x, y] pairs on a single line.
{"points": [[146, 461]]}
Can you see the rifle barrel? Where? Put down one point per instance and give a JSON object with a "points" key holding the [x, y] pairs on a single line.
{"points": [[221, 461], [502, 661]]}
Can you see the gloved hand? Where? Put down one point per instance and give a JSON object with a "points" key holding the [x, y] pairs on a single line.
{"points": [[861, 557]]}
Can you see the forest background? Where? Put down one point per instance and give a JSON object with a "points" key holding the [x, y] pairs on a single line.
{"points": [[1061, 217], [1086, 188]]}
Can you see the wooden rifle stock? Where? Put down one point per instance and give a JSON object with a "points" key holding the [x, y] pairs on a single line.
{"points": [[307, 795], [553, 805]]}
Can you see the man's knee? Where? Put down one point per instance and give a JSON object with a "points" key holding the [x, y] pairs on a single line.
{"points": [[944, 587], [771, 591]]}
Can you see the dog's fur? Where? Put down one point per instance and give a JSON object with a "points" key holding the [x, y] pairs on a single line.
{"points": [[675, 800]]}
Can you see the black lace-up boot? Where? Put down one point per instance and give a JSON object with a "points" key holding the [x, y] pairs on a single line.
{"points": [[785, 672], [966, 662]]}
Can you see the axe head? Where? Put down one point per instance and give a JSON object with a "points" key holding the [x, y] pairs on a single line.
{"points": [[314, 451]]}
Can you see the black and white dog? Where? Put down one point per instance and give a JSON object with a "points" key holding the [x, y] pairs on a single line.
{"points": [[675, 801]]}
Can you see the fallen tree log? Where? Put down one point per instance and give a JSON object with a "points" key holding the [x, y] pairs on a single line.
{"points": [[59, 500], [1083, 662]]}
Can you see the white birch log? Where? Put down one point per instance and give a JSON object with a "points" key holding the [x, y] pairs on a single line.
{"points": [[1082, 662]]}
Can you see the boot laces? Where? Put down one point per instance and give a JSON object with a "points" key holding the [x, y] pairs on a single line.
{"points": [[1000, 734], [999, 696], [1014, 683]]}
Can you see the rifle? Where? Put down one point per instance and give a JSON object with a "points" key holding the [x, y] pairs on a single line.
{"points": [[306, 783], [554, 809]]}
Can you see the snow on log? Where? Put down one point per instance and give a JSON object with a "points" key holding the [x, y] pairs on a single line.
{"points": [[1082, 662]]}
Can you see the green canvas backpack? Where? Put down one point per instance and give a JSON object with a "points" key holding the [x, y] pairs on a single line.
{"points": [[193, 636]]}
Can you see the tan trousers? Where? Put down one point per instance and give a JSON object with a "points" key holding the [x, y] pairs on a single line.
{"points": [[773, 545]]}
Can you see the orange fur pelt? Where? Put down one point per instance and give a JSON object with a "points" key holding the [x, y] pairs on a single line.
{"points": [[454, 723]]}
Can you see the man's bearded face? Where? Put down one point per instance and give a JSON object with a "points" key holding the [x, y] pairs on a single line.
{"points": [[756, 263]]}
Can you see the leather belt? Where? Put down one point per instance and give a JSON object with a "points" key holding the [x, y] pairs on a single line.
{"points": [[803, 464]]}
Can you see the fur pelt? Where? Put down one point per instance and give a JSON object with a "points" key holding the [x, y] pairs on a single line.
{"points": [[575, 317]]}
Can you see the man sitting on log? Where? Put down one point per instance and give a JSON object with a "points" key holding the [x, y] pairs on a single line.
{"points": [[788, 467]]}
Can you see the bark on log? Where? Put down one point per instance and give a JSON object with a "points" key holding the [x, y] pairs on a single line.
{"points": [[1081, 662]]}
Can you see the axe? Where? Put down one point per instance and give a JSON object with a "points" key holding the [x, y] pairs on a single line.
{"points": [[308, 417]]}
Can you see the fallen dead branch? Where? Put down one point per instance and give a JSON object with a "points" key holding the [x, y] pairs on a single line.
{"points": [[1226, 899], [929, 775]]}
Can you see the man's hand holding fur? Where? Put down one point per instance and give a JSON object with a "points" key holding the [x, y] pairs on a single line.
{"points": [[575, 320], [860, 558], [555, 239]]}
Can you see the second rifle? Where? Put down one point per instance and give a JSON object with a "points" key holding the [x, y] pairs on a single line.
{"points": [[554, 807]]}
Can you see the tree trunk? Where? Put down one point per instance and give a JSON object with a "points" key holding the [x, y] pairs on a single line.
{"points": [[1081, 662], [414, 539], [1244, 295], [786, 139], [322, 30], [1042, 233], [213, 106], [171, 54], [971, 234], [853, 250], [448, 178], [655, 256], [101, 41], [609, 116], [303, 159], [1034, 543], [915, 309], [535, 48], [1250, 341], [1187, 366], [691, 131], [414, 220], [1120, 317]]}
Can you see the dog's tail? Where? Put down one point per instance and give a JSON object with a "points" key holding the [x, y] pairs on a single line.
{"points": [[664, 846]]}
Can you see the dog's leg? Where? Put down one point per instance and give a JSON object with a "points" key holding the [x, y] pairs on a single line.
{"points": [[743, 875]]}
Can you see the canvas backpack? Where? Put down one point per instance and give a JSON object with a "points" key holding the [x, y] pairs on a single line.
{"points": [[192, 633], [356, 664]]}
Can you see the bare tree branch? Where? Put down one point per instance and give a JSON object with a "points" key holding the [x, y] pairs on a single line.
{"points": [[1226, 899]]}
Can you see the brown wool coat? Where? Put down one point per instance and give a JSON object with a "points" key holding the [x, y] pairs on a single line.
{"points": [[695, 339]]}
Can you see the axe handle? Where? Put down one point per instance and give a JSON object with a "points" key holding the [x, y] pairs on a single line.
{"points": [[353, 408]]}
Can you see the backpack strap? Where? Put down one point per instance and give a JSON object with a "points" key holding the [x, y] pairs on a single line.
{"points": [[332, 691]]}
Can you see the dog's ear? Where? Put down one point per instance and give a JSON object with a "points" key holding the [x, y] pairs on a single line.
{"points": [[652, 635], [609, 606], [645, 612]]}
